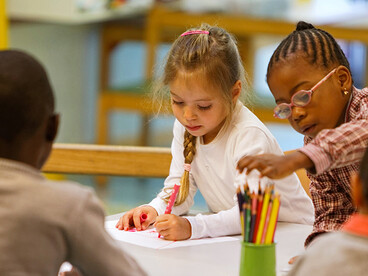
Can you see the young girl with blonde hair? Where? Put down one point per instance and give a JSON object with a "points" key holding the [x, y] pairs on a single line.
{"points": [[204, 77]]}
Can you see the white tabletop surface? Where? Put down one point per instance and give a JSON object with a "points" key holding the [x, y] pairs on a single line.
{"points": [[215, 259]]}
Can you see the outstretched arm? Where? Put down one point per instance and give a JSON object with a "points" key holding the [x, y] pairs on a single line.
{"points": [[275, 166]]}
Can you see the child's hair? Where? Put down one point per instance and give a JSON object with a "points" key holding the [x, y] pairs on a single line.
{"points": [[215, 58], [318, 46], [25, 95], [363, 175]]}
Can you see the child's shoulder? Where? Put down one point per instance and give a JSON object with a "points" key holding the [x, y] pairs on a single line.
{"points": [[245, 121], [359, 103], [68, 190], [66, 197], [360, 95], [247, 130]]}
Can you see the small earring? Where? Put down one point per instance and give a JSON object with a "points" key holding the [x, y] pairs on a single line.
{"points": [[346, 91]]}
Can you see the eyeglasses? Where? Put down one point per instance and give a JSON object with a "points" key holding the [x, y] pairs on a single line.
{"points": [[300, 98]]}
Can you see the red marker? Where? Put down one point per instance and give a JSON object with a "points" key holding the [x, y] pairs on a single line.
{"points": [[171, 201], [143, 217]]}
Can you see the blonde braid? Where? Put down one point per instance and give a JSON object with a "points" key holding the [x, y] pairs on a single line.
{"points": [[189, 152]]}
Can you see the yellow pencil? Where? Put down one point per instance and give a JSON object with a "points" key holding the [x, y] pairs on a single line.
{"points": [[273, 220], [263, 215]]}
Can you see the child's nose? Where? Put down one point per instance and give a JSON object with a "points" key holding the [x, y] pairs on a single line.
{"points": [[298, 113], [189, 114]]}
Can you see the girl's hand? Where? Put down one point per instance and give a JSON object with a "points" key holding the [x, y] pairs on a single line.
{"points": [[275, 166], [173, 227], [132, 218]]}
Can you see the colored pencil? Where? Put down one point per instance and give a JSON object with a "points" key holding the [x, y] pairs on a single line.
{"points": [[143, 217], [245, 214], [240, 204], [273, 220], [267, 221], [254, 216], [259, 210], [171, 201], [263, 215], [249, 216]]}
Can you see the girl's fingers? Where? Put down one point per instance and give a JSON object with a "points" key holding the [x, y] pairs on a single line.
{"points": [[137, 220], [255, 164], [161, 224], [250, 163], [119, 224], [270, 172], [126, 221], [165, 234], [242, 164]]}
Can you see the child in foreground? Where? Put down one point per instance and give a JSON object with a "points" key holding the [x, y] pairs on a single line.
{"points": [[204, 78], [44, 223], [344, 252], [310, 79]]}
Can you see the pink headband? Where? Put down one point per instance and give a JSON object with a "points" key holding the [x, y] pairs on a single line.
{"points": [[195, 32]]}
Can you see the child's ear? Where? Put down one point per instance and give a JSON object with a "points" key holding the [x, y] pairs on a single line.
{"points": [[52, 127], [236, 90], [344, 78], [356, 190]]}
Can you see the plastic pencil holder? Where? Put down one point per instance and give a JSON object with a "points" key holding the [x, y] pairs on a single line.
{"points": [[258, 259]]}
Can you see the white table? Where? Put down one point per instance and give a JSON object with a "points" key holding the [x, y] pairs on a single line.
{"points": [[214, 259]]}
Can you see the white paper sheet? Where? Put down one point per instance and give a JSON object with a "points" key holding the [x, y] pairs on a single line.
{"points": [[149, 238]]}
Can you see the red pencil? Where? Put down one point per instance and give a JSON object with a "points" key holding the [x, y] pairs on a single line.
{"points": [[143, 217], [259, 210], [171, 201], [254, 216]]}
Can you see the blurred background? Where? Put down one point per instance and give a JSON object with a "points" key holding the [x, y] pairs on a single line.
{"points": [[101, 55]]}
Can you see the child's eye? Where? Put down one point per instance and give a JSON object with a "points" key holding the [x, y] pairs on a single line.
{"points": [[205, 107], [176, 102]]}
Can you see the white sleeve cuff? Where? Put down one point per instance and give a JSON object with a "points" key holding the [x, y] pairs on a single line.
{"points": [[195, 227]]}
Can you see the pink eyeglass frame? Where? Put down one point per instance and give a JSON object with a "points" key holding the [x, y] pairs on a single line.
{"points": [[309, 92]]}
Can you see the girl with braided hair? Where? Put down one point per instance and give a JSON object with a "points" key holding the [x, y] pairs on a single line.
{"points": [[310, 79], [204, 78]]}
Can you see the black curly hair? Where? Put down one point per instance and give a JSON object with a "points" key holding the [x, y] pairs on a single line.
{"points": [[26, 96], [318, 46]]}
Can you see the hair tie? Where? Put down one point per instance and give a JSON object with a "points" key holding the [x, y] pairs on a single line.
{"points": [[187, 167], [195, 32]]}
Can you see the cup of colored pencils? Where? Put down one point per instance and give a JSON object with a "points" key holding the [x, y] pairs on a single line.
{"points": [[258, 215]]}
